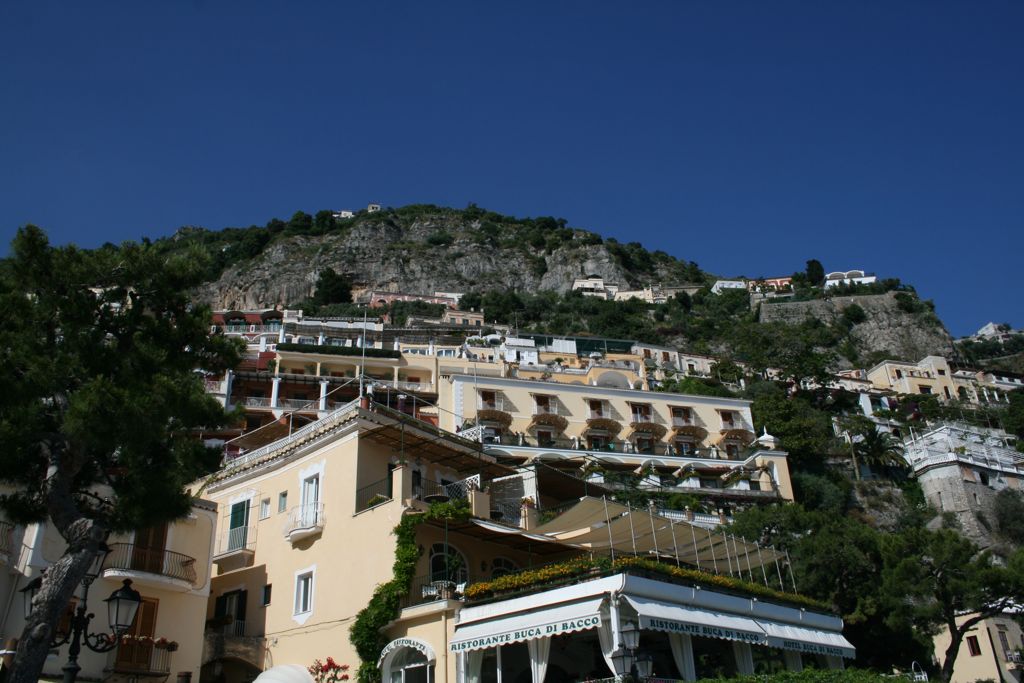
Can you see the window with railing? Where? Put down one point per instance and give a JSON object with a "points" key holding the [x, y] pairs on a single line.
{"points": [[641, 412], [681, 416]]}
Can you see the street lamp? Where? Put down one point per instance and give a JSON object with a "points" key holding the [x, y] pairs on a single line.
{"points": [[122, 606], [626, 660]]}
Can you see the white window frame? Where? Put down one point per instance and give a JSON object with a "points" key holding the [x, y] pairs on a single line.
{"points": [[282, 502], [264, 508], [297, 616]]}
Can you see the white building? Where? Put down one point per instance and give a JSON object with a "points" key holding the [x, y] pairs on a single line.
{"points": [[722, 285], [849, 277]]}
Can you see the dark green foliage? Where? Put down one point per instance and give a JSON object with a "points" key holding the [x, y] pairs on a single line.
{"points": [[695, 386], [440, 239], [815, 272], [340, 350], [854, 315], [822, 492], [811, 676], [1009, 513], [99, 358], [1013, 416], [931, 578], [332, 288], [805, 429]]}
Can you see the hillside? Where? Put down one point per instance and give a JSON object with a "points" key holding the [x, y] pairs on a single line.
{"points": [[422, 249], [522, 269]]}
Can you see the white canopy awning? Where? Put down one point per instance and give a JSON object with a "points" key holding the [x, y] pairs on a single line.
{"points": [[803, 639], [552, 620], [656, 615]]}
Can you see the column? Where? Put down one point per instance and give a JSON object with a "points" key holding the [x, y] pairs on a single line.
{"points": [[793, 660], [323, 394], [744, 659], [274, 391], [280, 336], [229, 379]]}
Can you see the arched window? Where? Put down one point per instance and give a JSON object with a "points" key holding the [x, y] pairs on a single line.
{"points": [[502, 566], [448, 566]]}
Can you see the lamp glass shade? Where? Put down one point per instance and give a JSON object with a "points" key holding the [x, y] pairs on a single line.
{"points": [[97, 562], [644, 665], [620, 661], [630, 635], [122, 606]]}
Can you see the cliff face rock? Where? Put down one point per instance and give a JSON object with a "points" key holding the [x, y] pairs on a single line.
{"points": [[887, 330], [393, 256]]}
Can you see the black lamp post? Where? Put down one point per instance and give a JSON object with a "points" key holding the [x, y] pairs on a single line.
{"points": [[627, 661], [122, 605]]}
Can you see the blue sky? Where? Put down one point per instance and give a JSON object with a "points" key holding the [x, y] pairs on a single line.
{"points": [[746, 136]]}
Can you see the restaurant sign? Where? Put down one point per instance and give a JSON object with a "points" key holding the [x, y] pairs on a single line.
{"points": [[526, 632], [809, 648], [702, 630]]}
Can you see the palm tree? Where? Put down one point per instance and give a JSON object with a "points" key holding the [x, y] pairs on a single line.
{"points": [[878, 448]]}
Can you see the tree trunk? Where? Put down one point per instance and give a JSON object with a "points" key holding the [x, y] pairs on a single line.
{"points": [[55, 593], [956, 636]]}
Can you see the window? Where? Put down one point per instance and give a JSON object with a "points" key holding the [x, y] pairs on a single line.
{"points": [[942, 373], [266, 594], [727, 419], [488, 400], [304, 593], [973, 646], [680, 416], [641, 412], [922, 389], [685, 447], [282, 501], [596, 408], [450, 566], [899, 374], [544, 404], [502, 566], [1003, 641], [264, 508], [545, 439]]}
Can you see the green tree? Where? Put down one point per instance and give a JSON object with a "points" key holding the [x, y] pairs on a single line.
{"points": [[332, 288], [1013, 417], [805, 432], [100, 352], [815, 272], [879, 449], [933, 579]]}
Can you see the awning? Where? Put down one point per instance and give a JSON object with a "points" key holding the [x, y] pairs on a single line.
{"points": [[803, 639], [514, 628], [663, 616]]}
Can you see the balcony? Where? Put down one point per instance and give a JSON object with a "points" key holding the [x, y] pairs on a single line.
{"points": [[304, 521], [375, 494], [235, 548], [140, 660], [152, 567]]}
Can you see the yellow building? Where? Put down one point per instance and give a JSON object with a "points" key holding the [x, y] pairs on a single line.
{"points": [[168, 565], [700, 445], [930, 375], [990, 650], [304, 537]]}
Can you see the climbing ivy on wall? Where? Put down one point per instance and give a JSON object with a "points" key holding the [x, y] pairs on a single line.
{"points": [[366, 632]]}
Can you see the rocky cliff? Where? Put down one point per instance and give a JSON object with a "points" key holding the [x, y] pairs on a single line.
{"points": [[440, 251], [889, 329]]}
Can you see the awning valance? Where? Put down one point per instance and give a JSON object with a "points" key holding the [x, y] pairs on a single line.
{"points": [[810, 640], [656, 615], [552, 620]]}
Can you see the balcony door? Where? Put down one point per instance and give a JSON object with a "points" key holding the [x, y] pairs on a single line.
{"points": [[238, 525], [148, 552], [310, 500], [134, 654]]}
